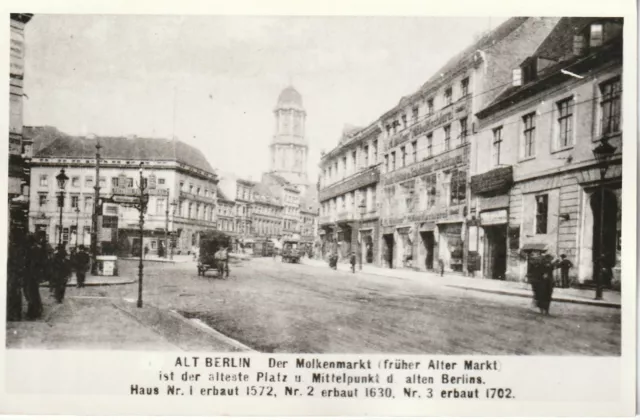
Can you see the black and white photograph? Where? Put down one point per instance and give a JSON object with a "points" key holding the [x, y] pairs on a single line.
{"points": [[320, 185]]}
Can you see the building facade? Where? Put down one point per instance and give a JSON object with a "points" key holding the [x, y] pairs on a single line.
{"points": [[348, 195], [289, 148], [182, 204], [266, 214], [427, 147], [538, 181], [18, 181], [290, 197]]}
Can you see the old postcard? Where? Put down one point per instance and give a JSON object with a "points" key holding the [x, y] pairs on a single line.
{"points": [[383, 209]]}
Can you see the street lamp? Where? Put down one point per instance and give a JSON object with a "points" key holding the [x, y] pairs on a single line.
{"points": [[62, 179], [363, 208], [142, 207], [603, 154], [173, 205], [77, 224], [96, 210]]}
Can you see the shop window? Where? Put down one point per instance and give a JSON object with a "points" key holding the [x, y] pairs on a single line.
{"points": [[458, 188], [542, 212], [610, 106]]}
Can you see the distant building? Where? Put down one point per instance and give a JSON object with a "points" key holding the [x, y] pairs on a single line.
{"points": [[537, 183], [226, 212], [184, 200], [18, 161], [290, 196]]}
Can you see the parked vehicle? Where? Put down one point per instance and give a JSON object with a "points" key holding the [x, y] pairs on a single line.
{"points": [[291, 252], [212, 243]]}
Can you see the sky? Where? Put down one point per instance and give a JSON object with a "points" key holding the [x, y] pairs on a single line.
{"points": [[213, 81]]}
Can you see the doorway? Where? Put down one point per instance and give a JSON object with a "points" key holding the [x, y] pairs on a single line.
{"points": [[388, 245], [604, 205], [367, 248], [428, 241], [496, 252]]}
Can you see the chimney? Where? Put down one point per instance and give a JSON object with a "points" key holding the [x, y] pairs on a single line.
{"points": [[517, 77], [579, 45]]}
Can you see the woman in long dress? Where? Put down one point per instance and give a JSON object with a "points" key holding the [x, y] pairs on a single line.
{"points": [[541, 279]]}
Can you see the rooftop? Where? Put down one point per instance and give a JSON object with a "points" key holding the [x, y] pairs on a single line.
{"points": [[137, 148]]}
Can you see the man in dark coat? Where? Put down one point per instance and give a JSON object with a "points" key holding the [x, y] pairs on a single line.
{"points": [[540, 273], [81, 265], [37, 267], [60, 270]]}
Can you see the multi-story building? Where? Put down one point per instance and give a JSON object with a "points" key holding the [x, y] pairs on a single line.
{"points": [[18, 159], [182, 204], [289, 195], [537, 182], [309, 223], [226, 213], [349, 176], [266, 214], [426, 149], [244, 201]]}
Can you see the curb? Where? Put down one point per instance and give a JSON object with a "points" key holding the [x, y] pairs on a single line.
{"points": [[203, 329], [74, 284], [528, 295]]}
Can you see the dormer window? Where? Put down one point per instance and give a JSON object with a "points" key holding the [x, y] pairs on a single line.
{"points": [[596, 36], [530, 70]]}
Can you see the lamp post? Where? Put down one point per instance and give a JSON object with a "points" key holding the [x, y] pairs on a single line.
{"points": [[94, 216], [603, 154], [173, 205], [77, 224], [62, 179], [141, 206], [363, 208]]}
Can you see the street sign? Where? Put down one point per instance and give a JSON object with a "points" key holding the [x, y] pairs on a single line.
{"points": [[126, 199]]}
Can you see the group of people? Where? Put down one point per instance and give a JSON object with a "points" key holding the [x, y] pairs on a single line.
{"points": [[32, 262]]}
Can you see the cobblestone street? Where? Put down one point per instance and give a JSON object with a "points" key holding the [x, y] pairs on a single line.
{"points": [[276, 307]]}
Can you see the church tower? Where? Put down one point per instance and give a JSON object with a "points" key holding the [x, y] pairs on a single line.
{"points": [[289, 147]]}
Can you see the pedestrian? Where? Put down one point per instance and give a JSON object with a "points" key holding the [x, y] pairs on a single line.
{"points": [[565, 265], [81, 265], [540, 275], [352, 259], [37, 267], [60, 270], [146, 251], [441, 265]]}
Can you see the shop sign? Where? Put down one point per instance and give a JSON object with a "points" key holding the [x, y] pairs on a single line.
{"points": [[496, 217], [451, 159], [423, 217], [370, 176], [499, 179]]}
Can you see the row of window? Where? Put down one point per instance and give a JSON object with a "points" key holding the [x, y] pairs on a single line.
{"points": [[349, 164], [350, 201], [403, 123], [610, 114], [409, 153]]}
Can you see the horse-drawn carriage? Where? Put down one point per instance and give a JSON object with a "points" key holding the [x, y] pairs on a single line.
{"points": [[214, 253]]}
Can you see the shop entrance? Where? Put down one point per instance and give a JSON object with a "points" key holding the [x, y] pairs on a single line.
{"points": [[496, 252], [605, 231], [367, 248], [428, 241], [388, 249]]}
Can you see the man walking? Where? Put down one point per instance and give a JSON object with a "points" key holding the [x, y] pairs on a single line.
{"points": [[353, 262], [565, 265], [60, 272], [81, 265]]}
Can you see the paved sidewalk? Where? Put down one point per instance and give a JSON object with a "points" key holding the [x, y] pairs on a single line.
{"points": [[84, 322], [581, 296]]}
